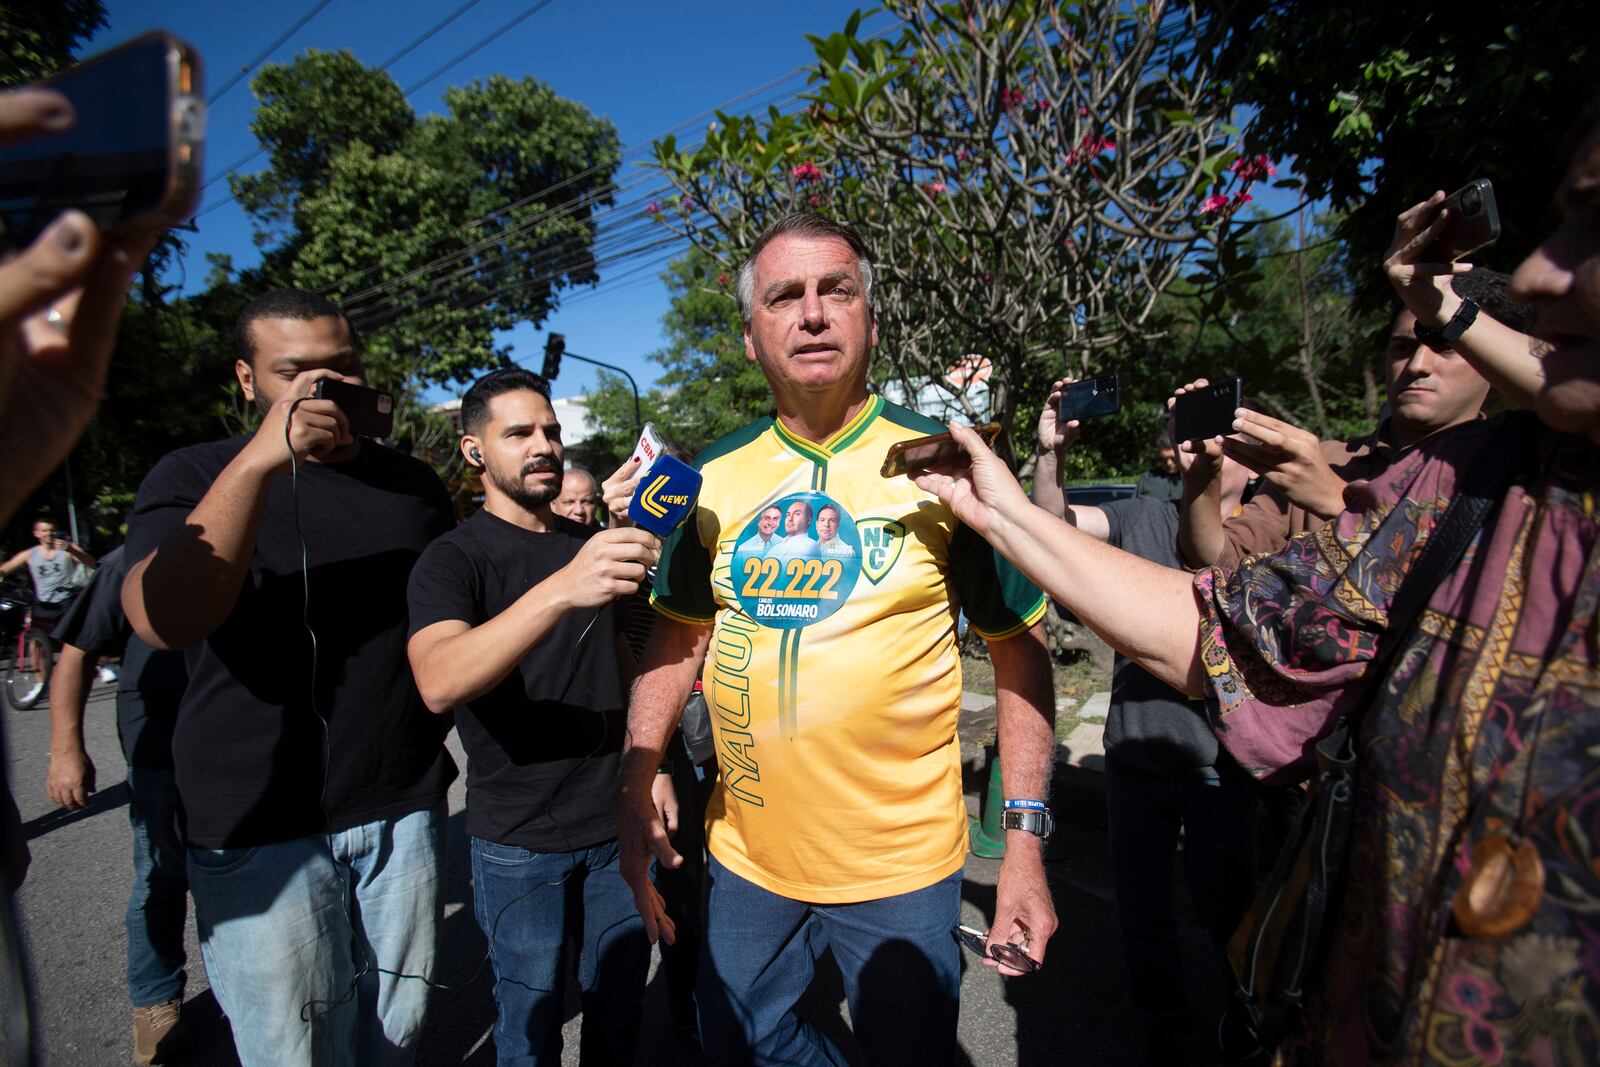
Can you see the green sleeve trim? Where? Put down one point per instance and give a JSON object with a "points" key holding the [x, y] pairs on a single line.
{"points": [[911, 420], [677, 616], [1034, 614]]}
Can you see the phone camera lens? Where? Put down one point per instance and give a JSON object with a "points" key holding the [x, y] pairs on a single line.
{"points": [[1471, 202]]}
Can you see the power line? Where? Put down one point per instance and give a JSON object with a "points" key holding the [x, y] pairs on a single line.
{"points": [[406, 50], [271, 48], [537, 7], [628, 153]]}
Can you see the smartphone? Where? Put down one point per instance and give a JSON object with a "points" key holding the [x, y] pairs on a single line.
{"points": [[131, 160], [369, 412], [923, 453], [649, 448], [1091, 397], [1207, 412], [1474, 222]]}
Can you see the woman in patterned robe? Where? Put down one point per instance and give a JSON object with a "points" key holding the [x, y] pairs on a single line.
{"points": [[1491, 715]]}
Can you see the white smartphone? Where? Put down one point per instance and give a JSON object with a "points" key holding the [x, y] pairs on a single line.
{"points": [[649, 449]]}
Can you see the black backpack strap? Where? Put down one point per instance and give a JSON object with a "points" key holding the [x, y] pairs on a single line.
{"points": [[1477, 497]]}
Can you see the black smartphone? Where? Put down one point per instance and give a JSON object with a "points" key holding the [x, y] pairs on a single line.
{"points": [[1090, 397], [1207, 412], [369, 412], [131, 160], [1474, 222], [935, 450]]}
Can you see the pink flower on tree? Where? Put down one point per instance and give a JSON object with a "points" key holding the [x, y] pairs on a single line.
{"points": [[653, 208], [1213, 204], [934, 188], [806, 172], [815, 200], [1241, 198], [1012, 98], [1253, 168], [962, 155], [722, 279], [1082, 111]]}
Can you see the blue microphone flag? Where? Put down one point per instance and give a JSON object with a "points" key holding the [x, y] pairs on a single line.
{"points": [[665, 495]]}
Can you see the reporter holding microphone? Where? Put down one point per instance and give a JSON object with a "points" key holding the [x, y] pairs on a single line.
{"points": [[514, 627]]}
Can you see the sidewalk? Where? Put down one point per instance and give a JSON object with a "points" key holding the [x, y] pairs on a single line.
{"points": [[1078, 784]]}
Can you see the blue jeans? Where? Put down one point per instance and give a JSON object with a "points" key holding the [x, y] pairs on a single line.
{"points": [[527, 903], [900, 962], [294, 935], [1146, 812], [158, 906]]}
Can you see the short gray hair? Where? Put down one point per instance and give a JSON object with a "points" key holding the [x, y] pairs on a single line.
{"points": [[803, 224]]}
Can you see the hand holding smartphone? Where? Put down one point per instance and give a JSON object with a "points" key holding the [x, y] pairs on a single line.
{"points": [[131, 158], [1474, 223], [927, 453], [1090, 398], [369, 412], [1207, 412]]}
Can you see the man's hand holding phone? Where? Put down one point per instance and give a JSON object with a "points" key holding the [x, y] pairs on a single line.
{"points": [[314, 427], [1055, 435], [1420, 278]]}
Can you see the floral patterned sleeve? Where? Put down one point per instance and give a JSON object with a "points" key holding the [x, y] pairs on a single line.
{"points": [[1286, 638]]}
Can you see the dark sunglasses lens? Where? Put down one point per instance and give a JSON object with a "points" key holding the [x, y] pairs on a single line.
{"points": [[975, 942], [1014, 958]]}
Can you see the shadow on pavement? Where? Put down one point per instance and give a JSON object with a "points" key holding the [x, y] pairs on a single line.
{"points": [[102, 801]]}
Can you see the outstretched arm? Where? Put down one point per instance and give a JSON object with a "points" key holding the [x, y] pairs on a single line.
{"points": [[1143, 610]]}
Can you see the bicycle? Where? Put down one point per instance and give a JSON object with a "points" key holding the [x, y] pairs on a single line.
{"points": [[28, 675]]}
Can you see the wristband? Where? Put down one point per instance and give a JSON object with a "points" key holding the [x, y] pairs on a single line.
{"points": [[1437, 337], [1027, 805]]}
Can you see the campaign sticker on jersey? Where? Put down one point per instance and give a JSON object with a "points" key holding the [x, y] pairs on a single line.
{"points": [[881, 541], [796, 561]]}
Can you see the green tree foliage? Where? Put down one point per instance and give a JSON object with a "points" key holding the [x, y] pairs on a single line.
{"points": [[436, 232], [39, 37], [1030, 175], [1379, 107], [708, 388]]}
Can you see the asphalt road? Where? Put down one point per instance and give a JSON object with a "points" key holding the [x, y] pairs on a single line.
{"points": [[76, 892]]}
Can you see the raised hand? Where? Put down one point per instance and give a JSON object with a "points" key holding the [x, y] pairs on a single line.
{"points": [[617, 491], [1423, 285], [1289, 458], [610, 564], [1054, 436]]}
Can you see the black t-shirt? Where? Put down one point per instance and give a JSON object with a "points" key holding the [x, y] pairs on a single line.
{"points": [[1151, 725], [542, 746], [249, 744], [151, 683]]}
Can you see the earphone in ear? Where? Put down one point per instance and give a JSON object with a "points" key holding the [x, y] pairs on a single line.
{"points": [[477, 457]]}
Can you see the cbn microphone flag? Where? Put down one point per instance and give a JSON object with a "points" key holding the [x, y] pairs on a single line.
{"points": [[664, 496]]}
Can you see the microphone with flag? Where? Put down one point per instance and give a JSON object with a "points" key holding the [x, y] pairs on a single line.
{"points": [[665, 495]]}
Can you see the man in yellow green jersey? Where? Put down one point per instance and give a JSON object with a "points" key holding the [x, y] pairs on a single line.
{"points": [[834, 686]]}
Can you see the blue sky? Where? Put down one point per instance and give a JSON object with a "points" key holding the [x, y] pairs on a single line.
{"points": [[647, 67]]}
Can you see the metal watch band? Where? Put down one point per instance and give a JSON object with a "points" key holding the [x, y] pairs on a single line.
{"points": [[1450, 332], [1039, 823]]}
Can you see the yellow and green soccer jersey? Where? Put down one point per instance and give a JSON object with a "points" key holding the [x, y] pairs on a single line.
{"points": [[832, 674]]}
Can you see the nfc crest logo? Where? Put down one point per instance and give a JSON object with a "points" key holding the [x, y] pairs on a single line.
{"points": [[881, 541]]}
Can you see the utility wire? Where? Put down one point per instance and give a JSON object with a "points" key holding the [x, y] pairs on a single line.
{"points": [[271, 48], [535, 9], [405, 51]]}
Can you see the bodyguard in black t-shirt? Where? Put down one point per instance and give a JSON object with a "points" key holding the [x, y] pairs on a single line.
{"points": [[312, 776], [514, 627]]}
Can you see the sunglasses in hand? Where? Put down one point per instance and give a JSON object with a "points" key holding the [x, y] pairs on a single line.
{"points": [[1011, 955]]}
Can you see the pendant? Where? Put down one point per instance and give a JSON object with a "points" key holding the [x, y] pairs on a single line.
{"points": [[1502, 888]]}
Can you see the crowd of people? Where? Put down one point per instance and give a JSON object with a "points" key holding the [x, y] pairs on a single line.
{"points": [[740, 740]]}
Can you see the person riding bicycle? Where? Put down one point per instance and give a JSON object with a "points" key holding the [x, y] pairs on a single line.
{"points": [[49, 564]]}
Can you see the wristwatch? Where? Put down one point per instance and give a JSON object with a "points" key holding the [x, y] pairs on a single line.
{"points": [[1036, 821], [1446, 336]]}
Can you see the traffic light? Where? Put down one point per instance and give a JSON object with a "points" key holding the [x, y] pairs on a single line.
{"points": [[554, 345]]}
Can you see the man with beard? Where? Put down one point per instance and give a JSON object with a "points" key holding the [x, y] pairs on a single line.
{"points": [[311, 775], [514, 627]]}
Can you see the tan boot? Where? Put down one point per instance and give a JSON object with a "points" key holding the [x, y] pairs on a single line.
{"points": [[159, 1033]]}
